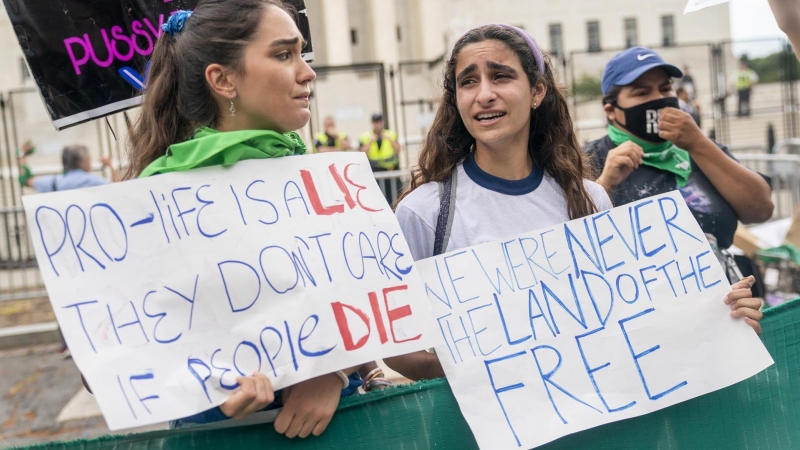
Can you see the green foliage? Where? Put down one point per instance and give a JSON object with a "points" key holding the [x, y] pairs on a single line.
{"points": [[776, 67]]}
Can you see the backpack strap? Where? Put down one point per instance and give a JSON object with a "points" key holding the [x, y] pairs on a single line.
{"points": [[447, 208]]}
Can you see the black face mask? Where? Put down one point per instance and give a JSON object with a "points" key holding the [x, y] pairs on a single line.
{"points": [[642, 120]]}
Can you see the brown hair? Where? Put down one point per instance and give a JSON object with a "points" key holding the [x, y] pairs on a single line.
{"points": [[178, 100], [552, 144]]}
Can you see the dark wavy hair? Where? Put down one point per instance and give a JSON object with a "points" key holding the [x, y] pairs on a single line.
{"points": [[178, 100], [552, 145]]}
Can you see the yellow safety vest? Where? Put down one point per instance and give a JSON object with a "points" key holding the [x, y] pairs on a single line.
{"points": [[744, 79], [383, 157], [322, 140]]}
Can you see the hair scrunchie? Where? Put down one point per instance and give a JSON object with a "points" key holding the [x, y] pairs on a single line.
{"points": [[176, 22]]}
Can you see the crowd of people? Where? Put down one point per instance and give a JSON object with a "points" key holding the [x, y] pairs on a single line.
{"points": [[502, 157]]}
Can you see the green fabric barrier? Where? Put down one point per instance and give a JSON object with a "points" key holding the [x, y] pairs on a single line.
{"points": [[762, 412]]}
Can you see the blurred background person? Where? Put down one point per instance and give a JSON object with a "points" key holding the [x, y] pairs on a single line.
{"points": [[77, 166], [330, 140]]}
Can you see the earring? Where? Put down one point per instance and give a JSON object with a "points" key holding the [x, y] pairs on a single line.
{"points": [[535, 105], [233, 110]]}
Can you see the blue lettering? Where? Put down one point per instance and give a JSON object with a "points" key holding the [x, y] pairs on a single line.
{"points": [[160, 317], [571, 237], [602, 319], [194, 294], [647, 281], [304, 336], [48, 251], [227, 387], [299, 196], [602, 242], [255, 350], [200, 211], [635, 285], [144, 376], [453, 280], [271, 358], [591, 371], [505, 327], [532, 298], [668, 222], [239, 288], [547, 380], [201, 379], [77, 307], [267, 202], [641, 231], [637, 356], [178, 209], [478, 332], [499, 391], [702, 269], [78, 246]]}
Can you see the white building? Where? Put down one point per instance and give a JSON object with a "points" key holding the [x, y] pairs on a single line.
{"points": [[357, 31], [584, 32]]}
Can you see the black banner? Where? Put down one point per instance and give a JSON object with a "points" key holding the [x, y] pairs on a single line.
{"points": [[88, 56]]}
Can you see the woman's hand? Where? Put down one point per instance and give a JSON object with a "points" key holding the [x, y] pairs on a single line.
{"points": [[254, 394], [743, 305], [309, 406]]}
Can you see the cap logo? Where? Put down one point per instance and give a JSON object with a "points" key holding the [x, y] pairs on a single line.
{"points": [[643, 57]]}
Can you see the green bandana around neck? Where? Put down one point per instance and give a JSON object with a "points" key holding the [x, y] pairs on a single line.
{"points": [[209, 147], [665, 155]]}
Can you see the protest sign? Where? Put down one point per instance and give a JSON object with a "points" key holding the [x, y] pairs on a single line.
{"points": [[89, 58], [592, 321], [168, 288], [697, 5]]}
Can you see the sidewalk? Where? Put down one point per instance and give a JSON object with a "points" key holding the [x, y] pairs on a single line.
{"points": [[43, 399], [36, 384]]}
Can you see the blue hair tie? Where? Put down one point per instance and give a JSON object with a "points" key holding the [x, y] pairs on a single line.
{"points": [[176, 22]]}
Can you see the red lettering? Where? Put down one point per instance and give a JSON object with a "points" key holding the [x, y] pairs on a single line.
{"points": [[360, 188], [397, 313], [342, 187], [376, 312], [313, 196], [344, 327]]}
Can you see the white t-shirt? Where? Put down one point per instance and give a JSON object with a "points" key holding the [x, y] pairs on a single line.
{"points": [[487, 208]]}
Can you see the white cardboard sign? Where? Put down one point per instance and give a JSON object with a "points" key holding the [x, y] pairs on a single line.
{"points": [[697, 5], [588, 322], [168, 288]]}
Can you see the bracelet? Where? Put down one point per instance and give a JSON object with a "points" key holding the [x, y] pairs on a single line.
{"points": [[375, 373], [344, 378], [377, 381]]}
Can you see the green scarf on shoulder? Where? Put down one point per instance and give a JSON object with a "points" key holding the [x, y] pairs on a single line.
{"points": [[665, 156], [209, 147]]}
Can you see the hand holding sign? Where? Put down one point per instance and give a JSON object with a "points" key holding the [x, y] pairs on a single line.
{"points": [[169, 288], [596, 320]]}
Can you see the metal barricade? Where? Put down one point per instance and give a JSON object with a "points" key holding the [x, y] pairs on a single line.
{"points": [[784, 173], [392, 183]]}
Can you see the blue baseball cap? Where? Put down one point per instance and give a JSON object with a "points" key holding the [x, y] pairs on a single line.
{"points": [[625, 67]]}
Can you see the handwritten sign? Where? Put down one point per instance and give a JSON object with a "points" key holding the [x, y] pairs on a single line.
{"points": [[89, 59], [592, 321], [168, 288], [697, 5]]}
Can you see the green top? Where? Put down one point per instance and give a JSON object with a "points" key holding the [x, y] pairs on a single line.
{"points": [[665, 156], [209, 147]]}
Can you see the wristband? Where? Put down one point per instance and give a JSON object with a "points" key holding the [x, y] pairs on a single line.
{"points": [[344, 378]]}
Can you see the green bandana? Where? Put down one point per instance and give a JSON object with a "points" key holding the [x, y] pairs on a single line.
{"points": [[665, 156], [210, 147]]}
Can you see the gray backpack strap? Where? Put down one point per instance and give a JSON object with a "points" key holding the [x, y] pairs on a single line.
{"points": [[447, 208]]}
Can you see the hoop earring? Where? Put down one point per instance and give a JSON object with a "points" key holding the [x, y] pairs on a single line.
{"points": [[233, 110]]}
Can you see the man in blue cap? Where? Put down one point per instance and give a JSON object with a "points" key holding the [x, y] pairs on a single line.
{"points": [[653, 147]]}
